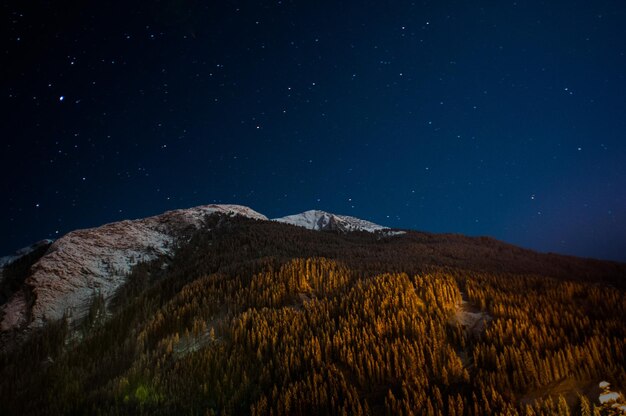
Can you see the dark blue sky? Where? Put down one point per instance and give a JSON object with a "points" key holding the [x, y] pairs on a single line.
{"points": [[505, 119]]}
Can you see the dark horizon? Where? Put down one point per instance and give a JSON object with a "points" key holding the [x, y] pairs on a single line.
{"points": [[501, 120]]}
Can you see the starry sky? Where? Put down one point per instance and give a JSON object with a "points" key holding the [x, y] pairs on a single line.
{"points": [[504, 118]]}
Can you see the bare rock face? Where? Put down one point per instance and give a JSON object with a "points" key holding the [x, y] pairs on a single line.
{"points": [[97, 260]]}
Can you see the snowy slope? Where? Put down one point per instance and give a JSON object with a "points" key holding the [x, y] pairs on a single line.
{"points": [[97, 260], [321, 220]]}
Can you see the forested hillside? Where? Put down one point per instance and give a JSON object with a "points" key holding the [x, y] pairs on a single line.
{"points": [[262, 318]]}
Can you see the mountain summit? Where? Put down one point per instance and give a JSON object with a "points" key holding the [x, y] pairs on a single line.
{"points": [[321, 221]]}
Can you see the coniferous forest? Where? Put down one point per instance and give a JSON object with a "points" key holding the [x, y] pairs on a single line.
{"points": [[261, 318]]}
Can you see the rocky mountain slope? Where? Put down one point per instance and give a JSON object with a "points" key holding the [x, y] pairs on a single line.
{"points": [[96, 261]]}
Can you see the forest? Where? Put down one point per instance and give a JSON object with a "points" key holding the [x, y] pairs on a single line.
{"points": [[259, 318]]}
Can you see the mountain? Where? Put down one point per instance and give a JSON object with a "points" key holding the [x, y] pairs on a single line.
{"points": [[64, 277], [96, 261], [84, 263], [217, 310], [320, 220]]}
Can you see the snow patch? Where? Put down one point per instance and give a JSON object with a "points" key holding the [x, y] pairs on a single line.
{"points": [[607, 397]]}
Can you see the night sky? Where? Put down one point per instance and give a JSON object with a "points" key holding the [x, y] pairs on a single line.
{"points": [[505, 119]]}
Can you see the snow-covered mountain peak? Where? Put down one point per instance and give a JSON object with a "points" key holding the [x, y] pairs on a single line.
{"points": [[321, 220]]}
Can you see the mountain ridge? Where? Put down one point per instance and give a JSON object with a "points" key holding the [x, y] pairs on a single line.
{"points": [[196, 328], [96, 261]]}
